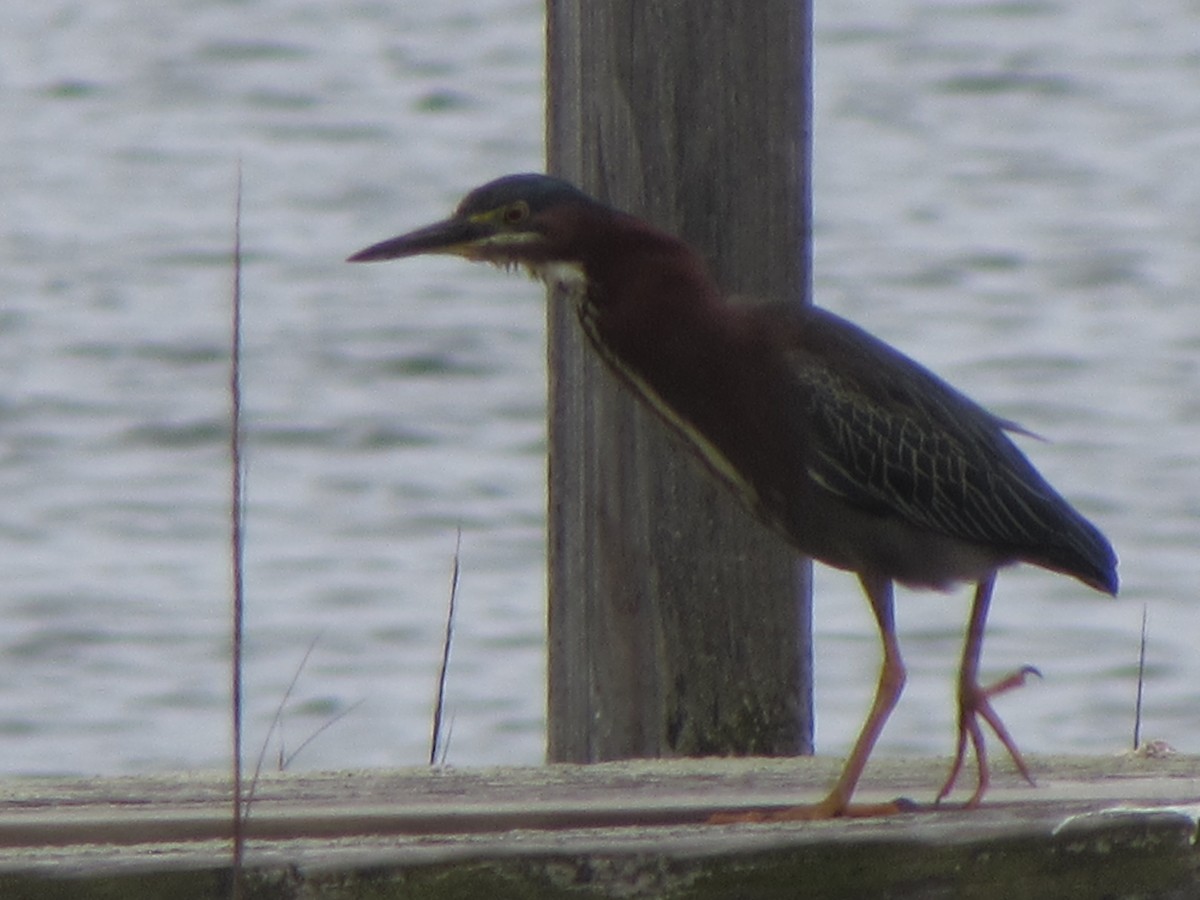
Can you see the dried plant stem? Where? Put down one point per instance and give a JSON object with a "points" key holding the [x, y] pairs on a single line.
{"points": [[440, 702], [1141, 681], [236, 540]]}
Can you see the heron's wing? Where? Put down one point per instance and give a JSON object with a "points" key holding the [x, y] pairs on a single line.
{"points": [[886, 434]]}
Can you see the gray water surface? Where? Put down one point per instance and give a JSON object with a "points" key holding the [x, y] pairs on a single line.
{"points": [[1009, 192]]}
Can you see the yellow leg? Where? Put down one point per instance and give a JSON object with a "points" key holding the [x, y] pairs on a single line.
{"points": [[974, 704], [891, 683]]}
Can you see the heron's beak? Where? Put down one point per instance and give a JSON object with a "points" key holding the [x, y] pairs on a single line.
{"points": [[450, 236]]}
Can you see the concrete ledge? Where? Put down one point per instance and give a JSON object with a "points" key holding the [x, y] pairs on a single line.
{"points": [[1096, 827]]}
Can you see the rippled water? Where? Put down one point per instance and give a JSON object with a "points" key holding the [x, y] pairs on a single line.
{"points": [[1008, 191]]}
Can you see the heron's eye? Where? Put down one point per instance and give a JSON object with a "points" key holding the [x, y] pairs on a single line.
{"points": [[516, 213]]}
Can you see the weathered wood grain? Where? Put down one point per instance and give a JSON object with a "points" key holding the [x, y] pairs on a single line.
{"points": [[678, 625], [1117, 827]]}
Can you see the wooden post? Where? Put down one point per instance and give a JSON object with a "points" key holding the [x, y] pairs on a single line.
{"points": [[678, 625]]}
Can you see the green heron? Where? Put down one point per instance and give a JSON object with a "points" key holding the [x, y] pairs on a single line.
{"points": [[856, 454]]}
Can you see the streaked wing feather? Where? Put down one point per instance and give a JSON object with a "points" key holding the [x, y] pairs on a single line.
{"points": [[895, 438]]}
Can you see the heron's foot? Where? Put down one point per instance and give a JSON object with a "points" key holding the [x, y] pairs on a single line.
{"points": [[815, 812], [974, 703]]}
